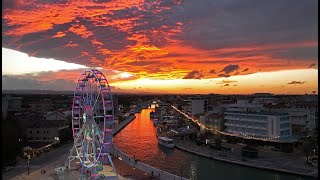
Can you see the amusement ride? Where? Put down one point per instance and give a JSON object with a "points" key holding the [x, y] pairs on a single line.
{"points": [[92, 126]]}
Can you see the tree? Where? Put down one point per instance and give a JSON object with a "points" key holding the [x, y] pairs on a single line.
{"points": [[306, 148], [217, 142]]}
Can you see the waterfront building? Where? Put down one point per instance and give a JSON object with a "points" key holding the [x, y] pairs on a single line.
{"points": [[41, 107], [56, 115], [116, 105], [250, 119], [10, 104], [243, 105], [215, 121], [46, 131], [311, 106], [265, 100], [262, 94], [196, 105], [258, 124], [304, 115], [62, 101], [212, 120]]}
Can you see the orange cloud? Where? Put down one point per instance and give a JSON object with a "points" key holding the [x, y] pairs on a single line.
{"points": [[134, 36], [59, 34]]}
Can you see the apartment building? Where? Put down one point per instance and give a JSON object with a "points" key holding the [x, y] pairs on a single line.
{"points": [[259, 124], [196, 105], [250, 119]]}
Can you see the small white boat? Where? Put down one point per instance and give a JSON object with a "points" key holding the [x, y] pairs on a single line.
{"points": [[164, 141], [132, 113]]}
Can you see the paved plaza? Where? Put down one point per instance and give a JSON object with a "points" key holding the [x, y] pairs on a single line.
{"points": [[56, 158]]}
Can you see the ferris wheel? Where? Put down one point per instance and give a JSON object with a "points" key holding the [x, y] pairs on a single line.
{"points": [[92, 122]]}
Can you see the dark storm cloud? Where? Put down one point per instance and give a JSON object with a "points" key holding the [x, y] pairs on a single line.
{"points": [[16, 83], [224, 75], [230, 68], [301, 53], [246, 69], [194, 75], [296, 82], [213, 71], [221, 24], [313, 66]]}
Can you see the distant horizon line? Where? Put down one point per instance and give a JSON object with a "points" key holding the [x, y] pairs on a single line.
{"points": [[142, 93]]}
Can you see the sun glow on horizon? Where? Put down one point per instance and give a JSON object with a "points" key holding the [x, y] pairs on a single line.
{"points": [[278, 82]]}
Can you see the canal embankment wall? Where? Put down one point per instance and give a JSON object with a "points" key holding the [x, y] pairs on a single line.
{"points": [[123, 124], [151, 171], [137, 164], [243, 163]]}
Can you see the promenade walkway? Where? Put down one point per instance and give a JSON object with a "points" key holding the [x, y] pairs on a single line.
{"points": [[288, 163]]}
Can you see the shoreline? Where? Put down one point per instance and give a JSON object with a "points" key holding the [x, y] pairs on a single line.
{"points": [[117, 152], [313, 174], [240, 163], [123, 124]]}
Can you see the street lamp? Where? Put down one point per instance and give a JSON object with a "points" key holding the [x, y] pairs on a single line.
{"points": [[28, 162], [120, 165]]}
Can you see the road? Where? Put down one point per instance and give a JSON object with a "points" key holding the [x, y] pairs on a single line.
{"points": [[48, 162]]}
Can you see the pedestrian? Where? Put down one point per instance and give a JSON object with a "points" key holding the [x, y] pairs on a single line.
{"points": [[151, 173]]}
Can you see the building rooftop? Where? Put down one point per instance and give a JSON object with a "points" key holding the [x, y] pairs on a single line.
{"points": [[47, 124], [215, 115], [259, 113]]}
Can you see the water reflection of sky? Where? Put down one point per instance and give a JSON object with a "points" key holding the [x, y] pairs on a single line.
{"points": [[139, 139]]}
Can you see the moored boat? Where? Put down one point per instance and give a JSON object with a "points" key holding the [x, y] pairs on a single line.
{"points": [[167, 142], [132, 113], [152, 115], [155, 122]]}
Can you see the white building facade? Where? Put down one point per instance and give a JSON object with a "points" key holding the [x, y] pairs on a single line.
{"points": [[259, 124]]}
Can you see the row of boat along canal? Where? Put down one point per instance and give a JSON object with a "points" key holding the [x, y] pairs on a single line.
{"points": [[162, 139]]}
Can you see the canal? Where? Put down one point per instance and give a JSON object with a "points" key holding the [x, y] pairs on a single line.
{"points": [[138, 139]]}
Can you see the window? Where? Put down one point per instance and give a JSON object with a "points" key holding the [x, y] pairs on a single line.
{"points": [[44, 132], [37, 132], [47, 132], [37, 138], [30, 132], [44, 138]]}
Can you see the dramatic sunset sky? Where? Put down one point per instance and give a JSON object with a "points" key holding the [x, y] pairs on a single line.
{"points": [[162, 46]]}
